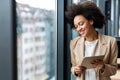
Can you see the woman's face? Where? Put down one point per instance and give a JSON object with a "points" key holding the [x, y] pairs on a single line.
{"points": [[83, 26]]}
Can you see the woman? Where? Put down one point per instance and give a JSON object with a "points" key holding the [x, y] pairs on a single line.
{"points": [[84, 17]]}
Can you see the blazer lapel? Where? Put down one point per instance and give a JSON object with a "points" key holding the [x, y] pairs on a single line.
{"points": [[79, 51], [102, 45]]}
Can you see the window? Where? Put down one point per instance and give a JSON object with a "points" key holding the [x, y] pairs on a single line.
{"points": [[113, 17], [36, 37]]}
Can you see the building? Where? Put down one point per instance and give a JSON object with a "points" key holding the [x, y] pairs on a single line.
{"points": [[35, 43]]}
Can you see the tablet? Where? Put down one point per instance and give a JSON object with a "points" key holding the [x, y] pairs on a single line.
{"points": [[86, 61]]}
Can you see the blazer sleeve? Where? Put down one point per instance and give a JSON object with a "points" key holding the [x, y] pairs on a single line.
{"points": [[111, 67]]}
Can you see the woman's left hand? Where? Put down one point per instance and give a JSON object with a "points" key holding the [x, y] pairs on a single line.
{"points": [[99, 64]]}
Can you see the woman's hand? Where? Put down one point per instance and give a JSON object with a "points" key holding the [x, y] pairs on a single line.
{"points": [[99, 64], [79, 69]]}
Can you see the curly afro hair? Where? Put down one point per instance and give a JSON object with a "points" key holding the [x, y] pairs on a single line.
{"points": [[87, 9]]}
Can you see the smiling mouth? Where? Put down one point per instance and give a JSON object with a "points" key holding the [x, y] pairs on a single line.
{"points": [[81, 32]]}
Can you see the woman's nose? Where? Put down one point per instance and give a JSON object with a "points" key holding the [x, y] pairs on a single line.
{"points": [[78, 28]]}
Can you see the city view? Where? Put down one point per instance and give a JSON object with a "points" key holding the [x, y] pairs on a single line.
{"points": [[36, 42]]}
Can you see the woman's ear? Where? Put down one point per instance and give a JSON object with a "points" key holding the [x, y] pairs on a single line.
{"points": [[91, 22]]}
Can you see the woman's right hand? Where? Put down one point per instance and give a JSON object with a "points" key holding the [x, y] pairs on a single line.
{"points": [[79, 70]]}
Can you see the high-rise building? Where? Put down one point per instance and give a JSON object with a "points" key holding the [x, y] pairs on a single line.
{"points": [[35, 47]]}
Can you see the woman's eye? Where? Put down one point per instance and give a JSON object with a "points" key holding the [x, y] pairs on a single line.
{"points": [[81, 23]]}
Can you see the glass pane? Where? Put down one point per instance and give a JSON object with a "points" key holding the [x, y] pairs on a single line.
{"points": [[119, 18], [75, 1], [112, 13], [36, 39]]}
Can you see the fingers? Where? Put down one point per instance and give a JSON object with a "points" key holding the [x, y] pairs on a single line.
{"points": [[97, 63], [79, 69]]}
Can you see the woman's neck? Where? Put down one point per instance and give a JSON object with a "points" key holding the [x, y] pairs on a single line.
{"points": [[92, 36]]}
